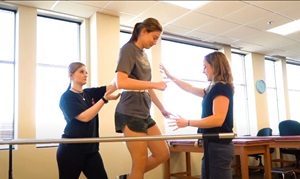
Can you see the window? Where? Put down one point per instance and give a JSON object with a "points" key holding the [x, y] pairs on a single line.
{"points": [[7, 66], [241, 117], [272, 95], [58, 45], [293, 73], [186, 62]]}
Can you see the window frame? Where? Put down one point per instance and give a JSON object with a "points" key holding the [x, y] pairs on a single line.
{"points": [[57, 66], [11, 133]]}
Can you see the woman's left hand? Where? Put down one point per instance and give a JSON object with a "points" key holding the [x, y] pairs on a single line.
{"points": [[165, 113], [178, 122]]}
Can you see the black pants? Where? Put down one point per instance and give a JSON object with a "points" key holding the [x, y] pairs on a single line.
{"points": [[71, 164]]}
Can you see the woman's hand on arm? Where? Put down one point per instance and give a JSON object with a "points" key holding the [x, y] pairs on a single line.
{"points": [[112, 87], [91, 112]]}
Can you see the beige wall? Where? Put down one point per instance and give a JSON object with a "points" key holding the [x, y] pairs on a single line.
{"points": [[100, 54]]}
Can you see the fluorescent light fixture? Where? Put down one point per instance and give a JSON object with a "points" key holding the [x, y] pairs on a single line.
{"points": [[286, 29], [187, 4]]}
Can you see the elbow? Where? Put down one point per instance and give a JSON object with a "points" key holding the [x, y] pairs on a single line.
{"points": [[220, 122], [119, 84], [82, 118]]}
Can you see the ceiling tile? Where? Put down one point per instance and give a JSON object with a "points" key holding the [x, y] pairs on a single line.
{"points": [[268, 40], [274, 6], [241, 32], [130, 7], [293, 11], [274, 19], [176, 29], [159, 11], [38, 4], [192, 20], [292, 48], [96, 4], [248, 47], [218, 26], [247, 15], [80, 10], [222, 40], [221, 8], [199, 35], [295, 36]]}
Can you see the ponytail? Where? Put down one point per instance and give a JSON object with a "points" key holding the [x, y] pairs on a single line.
{"points": [[150, 24]]}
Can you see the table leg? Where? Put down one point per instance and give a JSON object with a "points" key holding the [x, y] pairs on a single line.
{"points": [[188, 163], [167, 169], [244, 164], [267, 163]]}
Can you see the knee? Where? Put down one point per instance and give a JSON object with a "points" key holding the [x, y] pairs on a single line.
{"points": [[165, 156]]}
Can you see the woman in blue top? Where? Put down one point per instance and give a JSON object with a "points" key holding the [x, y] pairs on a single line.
{"points": [[132, 116], [217, 113], [80, 108]]}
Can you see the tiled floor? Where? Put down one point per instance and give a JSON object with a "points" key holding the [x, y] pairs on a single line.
{"points": [[258, 175]]}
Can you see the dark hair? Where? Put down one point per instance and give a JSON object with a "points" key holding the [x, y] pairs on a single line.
{"points": [[150, 24], [221, 67], [72, 68]]}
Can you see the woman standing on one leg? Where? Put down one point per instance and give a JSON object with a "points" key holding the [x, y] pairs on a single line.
{"points": [[217, 113], [132, 116]]}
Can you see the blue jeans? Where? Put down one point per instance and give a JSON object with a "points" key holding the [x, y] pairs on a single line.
{"points": [[220, 156]]}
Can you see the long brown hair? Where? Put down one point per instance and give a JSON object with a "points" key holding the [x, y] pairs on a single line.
{"points": [[221, 67], [72, 68], [150, 24]]}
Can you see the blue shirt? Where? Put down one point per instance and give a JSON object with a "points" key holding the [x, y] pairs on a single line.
{"points": [[219, 89], [72, 104]]}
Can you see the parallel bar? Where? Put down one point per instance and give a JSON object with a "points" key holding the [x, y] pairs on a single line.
{"points": [[114, 139], [10, 172], [106, 139]]}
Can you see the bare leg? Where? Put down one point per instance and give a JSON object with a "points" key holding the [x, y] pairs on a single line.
{"points": [[159, 150], [139, 154]]}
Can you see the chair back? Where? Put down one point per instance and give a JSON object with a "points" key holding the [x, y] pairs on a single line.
{"points": [[289, 127], [265, 132]]}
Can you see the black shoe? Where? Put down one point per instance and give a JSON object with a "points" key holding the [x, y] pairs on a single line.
{"points": [[122, 177]]}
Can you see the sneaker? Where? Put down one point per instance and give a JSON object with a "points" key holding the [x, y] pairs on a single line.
{"points": [[125, 176]]}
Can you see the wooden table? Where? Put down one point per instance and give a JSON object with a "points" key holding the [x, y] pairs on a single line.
{"points": [[279, 142], [243, 147], [285, 142]]}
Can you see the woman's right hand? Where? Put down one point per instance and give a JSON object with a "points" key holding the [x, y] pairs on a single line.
{"points": [[162, 85], [109, 96]]}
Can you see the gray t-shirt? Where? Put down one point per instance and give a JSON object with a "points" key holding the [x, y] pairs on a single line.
{"points": [[134, 62]]}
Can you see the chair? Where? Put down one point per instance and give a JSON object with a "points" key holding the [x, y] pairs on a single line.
{"points": [[289, 128], [262, 132]]}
